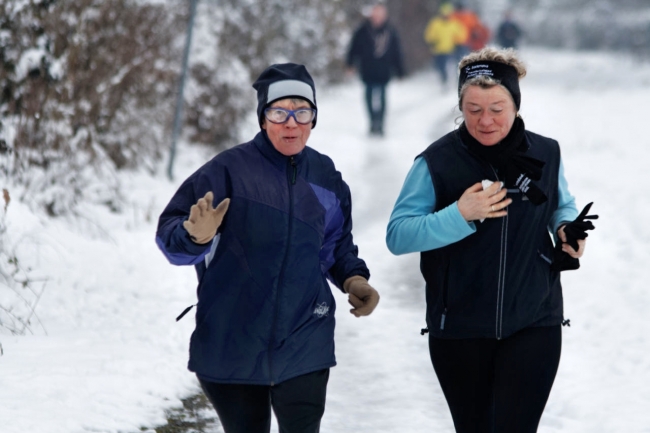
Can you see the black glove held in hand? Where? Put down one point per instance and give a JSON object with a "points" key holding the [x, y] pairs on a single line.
{"points": [[576, 229]]}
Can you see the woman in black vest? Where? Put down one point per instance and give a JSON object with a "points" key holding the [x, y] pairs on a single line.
{"points": [[482, 205]]}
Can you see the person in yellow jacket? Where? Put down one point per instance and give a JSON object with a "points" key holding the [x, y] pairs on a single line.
{"points": [[443, 34]]}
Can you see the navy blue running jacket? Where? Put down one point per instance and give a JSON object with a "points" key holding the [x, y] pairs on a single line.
{"points": [[265, 311]]}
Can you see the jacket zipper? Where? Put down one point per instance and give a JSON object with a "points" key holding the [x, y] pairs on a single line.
{"points": [[291, 178], [502, 272], [502, 277]]}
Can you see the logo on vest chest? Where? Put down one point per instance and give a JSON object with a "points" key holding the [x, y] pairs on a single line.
{"points": [[523, 183]]}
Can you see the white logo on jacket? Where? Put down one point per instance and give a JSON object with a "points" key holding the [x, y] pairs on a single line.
{"points": [[321, 310]]}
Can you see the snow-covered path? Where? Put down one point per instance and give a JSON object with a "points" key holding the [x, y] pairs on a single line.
{"points": [[114, 358], [383, 370]]}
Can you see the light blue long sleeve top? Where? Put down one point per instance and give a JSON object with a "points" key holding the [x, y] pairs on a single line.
{"points": [[413, 227]]}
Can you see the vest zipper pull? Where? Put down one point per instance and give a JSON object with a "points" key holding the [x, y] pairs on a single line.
{"points": [[442, 319]]}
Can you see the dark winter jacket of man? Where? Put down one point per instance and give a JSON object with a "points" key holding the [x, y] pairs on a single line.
{"points": [[498, 280], [376, 52], [508, 34], [265, 311]]}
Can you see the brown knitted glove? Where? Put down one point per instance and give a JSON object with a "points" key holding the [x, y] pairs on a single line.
{"points": [[362, 297], [204, 220]]}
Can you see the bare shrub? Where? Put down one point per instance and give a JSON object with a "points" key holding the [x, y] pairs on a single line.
{"points": [[19, 291]]}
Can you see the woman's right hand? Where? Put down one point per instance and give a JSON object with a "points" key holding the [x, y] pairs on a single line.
{"points": [[477, 203], [204, 220]]}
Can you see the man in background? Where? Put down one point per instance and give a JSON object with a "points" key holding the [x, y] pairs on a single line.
{"points": [[509, 32], [375, 52]]}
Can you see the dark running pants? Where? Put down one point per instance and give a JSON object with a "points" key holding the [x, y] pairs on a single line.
{"points": [[298, 404], [440, 62], [376, 105], [498, 386]]}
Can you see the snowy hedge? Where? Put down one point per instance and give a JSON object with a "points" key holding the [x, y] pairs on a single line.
{"points": [[88, 87]]}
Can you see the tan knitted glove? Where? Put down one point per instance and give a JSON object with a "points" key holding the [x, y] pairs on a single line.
{"points": [[204, 221], [362, 297]]}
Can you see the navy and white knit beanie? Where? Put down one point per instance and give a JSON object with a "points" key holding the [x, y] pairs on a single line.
{"points": [[284, 80]]}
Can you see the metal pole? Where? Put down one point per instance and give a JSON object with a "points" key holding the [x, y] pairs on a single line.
{"points": [[181, 86]]}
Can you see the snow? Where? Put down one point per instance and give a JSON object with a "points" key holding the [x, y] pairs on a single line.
{"points": [[31, 59], [109, 356]]}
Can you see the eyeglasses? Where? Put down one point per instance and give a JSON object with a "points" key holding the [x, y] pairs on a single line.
{"points": [[302, 116]]}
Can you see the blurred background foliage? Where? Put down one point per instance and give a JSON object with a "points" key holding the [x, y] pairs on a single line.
{"points": [[87, 87]]}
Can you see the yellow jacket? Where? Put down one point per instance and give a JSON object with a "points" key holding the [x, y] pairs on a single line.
{"points": [[443, 34]]}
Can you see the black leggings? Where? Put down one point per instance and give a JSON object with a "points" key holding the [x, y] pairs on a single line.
{"points": [[298, 404], [498, 386]]}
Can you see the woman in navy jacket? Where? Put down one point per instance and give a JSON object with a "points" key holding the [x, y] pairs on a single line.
{"points": [[264, 334], [480, 204]]}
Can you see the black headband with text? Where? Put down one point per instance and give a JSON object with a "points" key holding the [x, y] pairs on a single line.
{"points": [[506, 75]]}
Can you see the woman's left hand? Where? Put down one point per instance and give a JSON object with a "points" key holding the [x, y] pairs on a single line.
{"points": [[568, 248]]}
